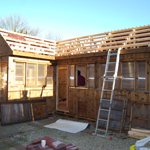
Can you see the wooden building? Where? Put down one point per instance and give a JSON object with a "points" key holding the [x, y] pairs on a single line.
{"points": [[29, 63], [27, 73]]}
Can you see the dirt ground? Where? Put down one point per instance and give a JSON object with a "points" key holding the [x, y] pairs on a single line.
{"points": [[25, 133]]}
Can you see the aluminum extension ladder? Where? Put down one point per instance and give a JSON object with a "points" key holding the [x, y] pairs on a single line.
{"points": [[112, 79]]}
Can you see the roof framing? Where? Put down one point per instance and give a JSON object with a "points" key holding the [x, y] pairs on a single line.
{"points": [[31, 46], [125, 39]]}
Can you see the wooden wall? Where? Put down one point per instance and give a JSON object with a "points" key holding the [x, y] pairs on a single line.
{"points": [[84, 102], [14, 93], [5, 50], [3, 78], [51, 101]]}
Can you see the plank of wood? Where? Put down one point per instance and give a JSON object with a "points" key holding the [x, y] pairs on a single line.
{"points": [[33, 55], [141, 131], [137, 135], [32, 62]]}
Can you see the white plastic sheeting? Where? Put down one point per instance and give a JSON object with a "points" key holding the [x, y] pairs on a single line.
{"points": [[143, 144], [68, 126]]}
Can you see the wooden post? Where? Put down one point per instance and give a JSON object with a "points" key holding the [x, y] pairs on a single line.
{"points": [[147, 75], [94, 76], [136, 75], [131, 114], [56, 87], [68, 83], [87, 76]]}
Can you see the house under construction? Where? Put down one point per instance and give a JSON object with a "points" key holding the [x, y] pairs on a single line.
{"points": [[40, 76]]}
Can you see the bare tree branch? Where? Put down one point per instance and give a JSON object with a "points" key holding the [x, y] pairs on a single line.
{"points": [[54, 36], [17, 23]]}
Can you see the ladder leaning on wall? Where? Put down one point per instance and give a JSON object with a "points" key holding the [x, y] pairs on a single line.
{"points": [[107, 78]]}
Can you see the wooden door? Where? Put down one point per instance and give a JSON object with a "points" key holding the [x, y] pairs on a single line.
{"points": [[62, 88]]}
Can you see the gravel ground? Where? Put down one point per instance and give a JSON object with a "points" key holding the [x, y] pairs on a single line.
{"points": [[25, 133]]}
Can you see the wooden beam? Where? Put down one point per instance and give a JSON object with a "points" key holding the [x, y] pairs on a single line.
{"points": [[32, 55], [104, 53], [32, 62]]}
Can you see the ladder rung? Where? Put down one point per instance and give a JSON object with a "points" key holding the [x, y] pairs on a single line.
{"points": [[105, 109], [110, 80], [101, 130], [109, 77], [102, 120], [106, 90], [104, 136], [111, 62], [113, 54], [110, 71], [106, 100]]}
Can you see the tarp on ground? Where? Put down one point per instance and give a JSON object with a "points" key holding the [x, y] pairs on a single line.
{"points": [[68, 126]]}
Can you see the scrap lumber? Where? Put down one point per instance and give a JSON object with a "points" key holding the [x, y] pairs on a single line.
{"points": [[139, 133]]}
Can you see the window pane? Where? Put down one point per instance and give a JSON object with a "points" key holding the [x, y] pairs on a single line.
{"points": [[91, 75], [41, 75], [81, 70], [128, 75], [31, 80], [141, 75], [71, 75], [19, 78], [50, 75]]}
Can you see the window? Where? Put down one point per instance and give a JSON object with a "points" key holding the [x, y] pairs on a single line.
{"points": [[91, 75], [30, 77], [19, 73], [128, 75], [81, 75], [141, 75], [41, 75], [71, 75], [50, 75]]}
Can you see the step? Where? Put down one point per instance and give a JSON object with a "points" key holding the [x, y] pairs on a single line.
{"points": [[106, 90], [102, 120], [108, 77], [113, 54], [103, 136], [111, 62], [106, 100], [110, 71], [104, 109], [110, 80], [101, 130]]}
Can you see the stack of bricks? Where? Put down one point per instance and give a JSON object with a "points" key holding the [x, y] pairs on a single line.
{"points": [[51, 144]]}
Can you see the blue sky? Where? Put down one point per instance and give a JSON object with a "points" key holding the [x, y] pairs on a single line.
{"points": [[75, 18]]}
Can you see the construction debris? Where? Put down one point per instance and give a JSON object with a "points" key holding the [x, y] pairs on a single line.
{"points": [[139, 133], [51, 144]]}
